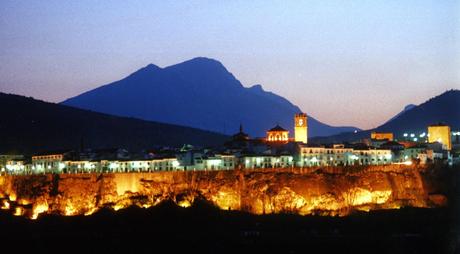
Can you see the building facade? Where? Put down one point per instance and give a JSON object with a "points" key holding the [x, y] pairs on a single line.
{"points": [[301, 128], [277, 134], [440, 133], [266, 161], [382, 136]]}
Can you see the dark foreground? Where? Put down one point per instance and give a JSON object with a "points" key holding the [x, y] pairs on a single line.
{"points": [[203, 229]]}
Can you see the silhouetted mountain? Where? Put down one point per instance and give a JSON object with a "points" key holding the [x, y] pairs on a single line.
{"points": [[406, 108], [199, 93], [444, 108], [29, 125]]}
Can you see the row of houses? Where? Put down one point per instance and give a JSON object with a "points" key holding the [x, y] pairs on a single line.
{"points": [[199, 159]]}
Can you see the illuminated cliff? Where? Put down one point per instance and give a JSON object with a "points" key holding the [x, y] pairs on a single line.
{"points": [[332, 191]]}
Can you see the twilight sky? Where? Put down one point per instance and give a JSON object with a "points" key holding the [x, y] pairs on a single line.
{"points": [[344, 62]]}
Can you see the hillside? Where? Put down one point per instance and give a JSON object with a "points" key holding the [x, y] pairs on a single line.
{"points": [[29, 125], [444, 108], [200, 93]]}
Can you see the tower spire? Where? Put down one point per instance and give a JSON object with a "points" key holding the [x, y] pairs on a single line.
{"points": [[241, 128]]}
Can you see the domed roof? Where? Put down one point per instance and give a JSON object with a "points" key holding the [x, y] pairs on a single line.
{"points": [[277, 128]]}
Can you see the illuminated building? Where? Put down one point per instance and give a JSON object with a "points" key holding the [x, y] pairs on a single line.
{"points": [[411, 153], [219, 162], [50, 162], [339, 155], [440, 133], [14, 166], [456, 137], [267, 161], [382, 136], [277, 134], [372, 156], [301, 128], [6, 159], [323, 156]]}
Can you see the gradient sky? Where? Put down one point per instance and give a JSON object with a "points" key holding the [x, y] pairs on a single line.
{"points": [[344, 62]]}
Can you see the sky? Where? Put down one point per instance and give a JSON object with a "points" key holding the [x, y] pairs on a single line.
{"points": [[354, 63]]}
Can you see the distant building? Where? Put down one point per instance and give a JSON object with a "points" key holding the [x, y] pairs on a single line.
{"points": [[440, 133], [337, 155], [277, 134], [301, 128], [372, 156], [51, 161], [456, 138], [266, 161], [382, 136], [9, 159], [411, 153]]}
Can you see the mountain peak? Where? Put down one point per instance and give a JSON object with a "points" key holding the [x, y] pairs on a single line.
{"points": [[200, 93], [152, 67], [201, 63], [409, 107], [203, 60], [257, 88]]}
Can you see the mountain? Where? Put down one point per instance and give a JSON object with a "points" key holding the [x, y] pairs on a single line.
{"points": [[444, 108], [29, 125], [406, 108], [200, 93]]}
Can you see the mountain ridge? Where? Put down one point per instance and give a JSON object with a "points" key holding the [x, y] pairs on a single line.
{"points": [[36, 126], [406, 108], [200, 93], [443, 108]]}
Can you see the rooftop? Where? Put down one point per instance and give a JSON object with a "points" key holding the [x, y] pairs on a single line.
{"points": [[277, 128]]}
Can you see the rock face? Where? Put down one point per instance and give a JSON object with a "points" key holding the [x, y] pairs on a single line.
{"points": [[330, 191]]}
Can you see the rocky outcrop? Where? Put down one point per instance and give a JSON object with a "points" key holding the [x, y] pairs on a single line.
{"points": [[328, 191]]}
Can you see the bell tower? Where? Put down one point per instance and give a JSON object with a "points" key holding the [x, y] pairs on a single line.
{"points": [[301, 128]]}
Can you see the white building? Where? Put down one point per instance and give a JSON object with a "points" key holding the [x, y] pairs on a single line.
{"points": [[267, 161], [337, 155], [372, 157]]}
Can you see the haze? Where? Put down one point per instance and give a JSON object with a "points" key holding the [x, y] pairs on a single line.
{"points": [[344, 62]]}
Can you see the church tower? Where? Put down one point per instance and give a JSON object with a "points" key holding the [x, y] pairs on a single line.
{"points": [[301, 128]]}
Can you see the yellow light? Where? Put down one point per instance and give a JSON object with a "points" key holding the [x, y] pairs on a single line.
{"points": [[91, 211], [184, 203], [18, 211], [118, 207], [23, 201], [5, 205], [38, 209], [408, 163], [12, 197], [70, 210]]}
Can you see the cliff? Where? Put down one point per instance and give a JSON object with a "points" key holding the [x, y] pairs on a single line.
{"points": [[330, 191]]}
